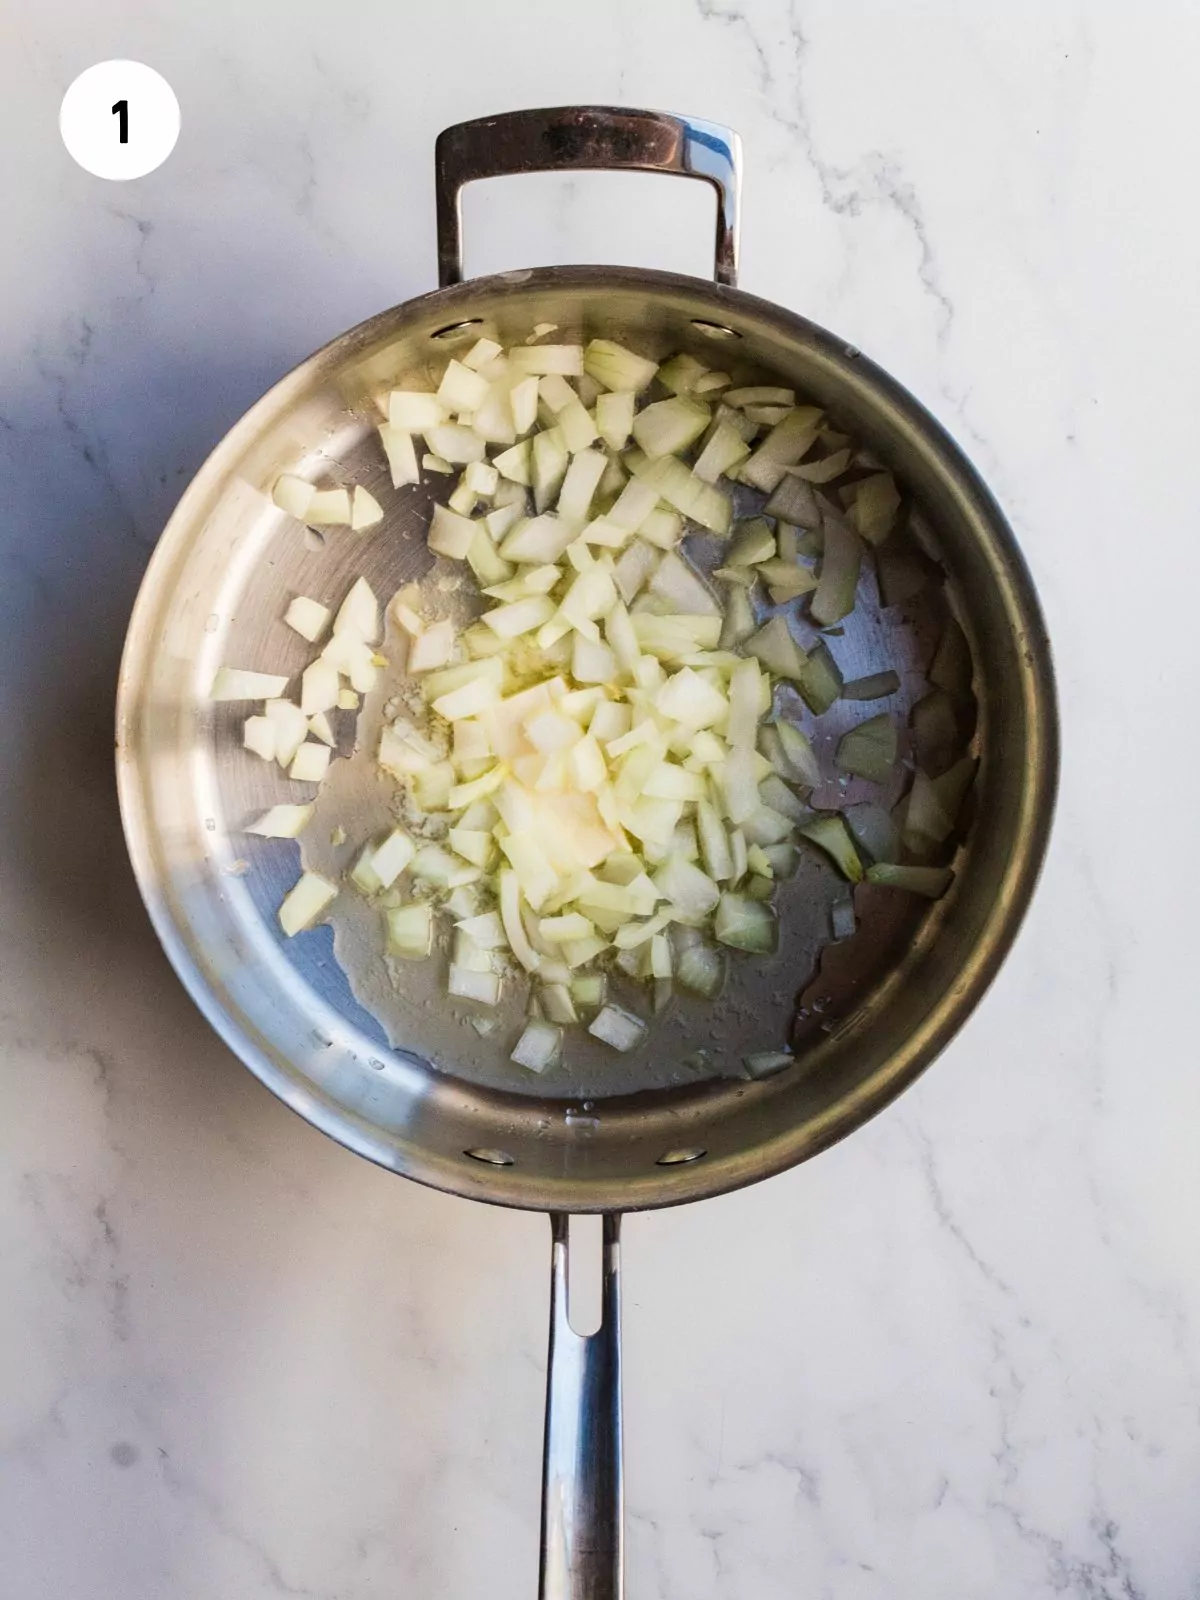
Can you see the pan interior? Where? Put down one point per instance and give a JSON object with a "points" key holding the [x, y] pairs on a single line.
{"points": [[353, 1053]]}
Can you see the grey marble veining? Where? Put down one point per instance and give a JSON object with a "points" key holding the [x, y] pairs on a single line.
{"points": [[956, 1358]]}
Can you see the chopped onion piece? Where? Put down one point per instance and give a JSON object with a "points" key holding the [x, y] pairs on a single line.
{"points": [[776, 794], [258, 736], [935, 729], [786, 580], [875, 686], [745, 924], [798, 753], [681, 488], [701, 969], [564, 929], [842, 919], [465, 984], [410, 930], [450, 534], [668, 427], [778, 651], [724, 449], [782, 857], [540, 540], [281, 822], [310, 763], [951, 668], [401, 455], [680, 589], [566, 359], [291, 728], [614, 417], [662, 528], [687, 698], [319, 688], [830, 834], [482, 352], [558, 1002], [319, 727], [618, 368], [412, 411], [392, 857], [516, 464], [433, 649], [617, 1027], [633, 568], [745, 702], [455, 443], [363, 875], [783, 446], [823, 471], [522, 616], [441, 868], [305, 902], [738, 623], [328, 507], [766, 1063], [365, 510], [309, 618], [876, 502], [869, 750], [293, 495], [433, 463], [359, 612], [692, 892], [759, 395], [838, 583], [579, 485], [232, 683], [873, 831], [539, 1048], [461, 389], [753, 542], [932, 882], [681, 373], [473, 844], [795, 502], [821, 679]]}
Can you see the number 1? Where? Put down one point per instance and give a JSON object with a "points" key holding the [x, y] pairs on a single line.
{"points": [[121, 112]]}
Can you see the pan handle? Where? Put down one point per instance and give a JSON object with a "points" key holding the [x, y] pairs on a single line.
{"points": [[572, 138], [582, 1494]]}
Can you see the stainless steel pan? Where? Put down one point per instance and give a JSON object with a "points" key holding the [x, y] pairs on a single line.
{"points": [[669, 1124]]}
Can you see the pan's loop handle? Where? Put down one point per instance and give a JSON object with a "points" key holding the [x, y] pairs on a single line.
{"points": [[573, 138], [582, 1495]]}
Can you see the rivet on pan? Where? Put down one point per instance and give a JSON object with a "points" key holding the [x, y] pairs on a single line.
{"points": [[455, 330], [714, 330], [494, 1158], [675, 1158]]}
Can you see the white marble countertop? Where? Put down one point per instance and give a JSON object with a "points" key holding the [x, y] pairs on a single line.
{"points": [[956, 1358]]}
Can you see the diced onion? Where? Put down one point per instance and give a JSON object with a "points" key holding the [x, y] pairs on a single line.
{"points": [[231, 683], [830, 834], [540, 1046], [305, 902], [410, 930], [932, 882], [281, 822], [615, 1026], [308, 617]]}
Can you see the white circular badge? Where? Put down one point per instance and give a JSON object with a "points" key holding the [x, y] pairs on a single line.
{"points": [[119, 119]]}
